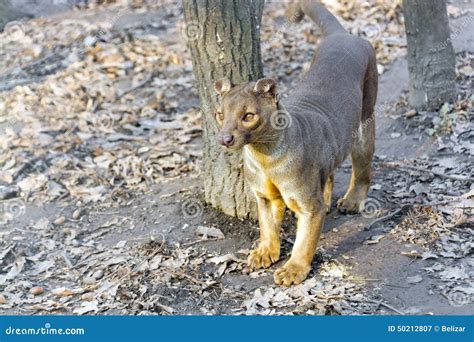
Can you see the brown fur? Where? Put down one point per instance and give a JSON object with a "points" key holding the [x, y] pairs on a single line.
{"points": [[329, 116]]}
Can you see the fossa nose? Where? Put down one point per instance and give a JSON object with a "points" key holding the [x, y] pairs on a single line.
{"points": [[226, 140]]}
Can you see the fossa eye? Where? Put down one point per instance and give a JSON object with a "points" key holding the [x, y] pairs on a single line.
{"points": [[249, 117]]}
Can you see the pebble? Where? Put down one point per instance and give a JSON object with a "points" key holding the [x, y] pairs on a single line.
{"points": [[3, 300], [89, 281], [411, 113], [37, 290], [76, 214], [98, 274], [60, 221]]}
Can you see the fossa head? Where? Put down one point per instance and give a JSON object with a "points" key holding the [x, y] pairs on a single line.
{"points": [[245, 111]]}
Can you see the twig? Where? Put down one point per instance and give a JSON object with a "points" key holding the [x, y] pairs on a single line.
{"points": [[421, 169], [187, 244], [189, 277], [67, 260], [386, 217]]}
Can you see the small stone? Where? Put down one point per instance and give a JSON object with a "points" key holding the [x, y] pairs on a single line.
{"points": [[3, 300], [98, 274], [76, 214], [411, 113], [60, 221], [89, 281], [395, 135], [37, 290], [89, 41]]}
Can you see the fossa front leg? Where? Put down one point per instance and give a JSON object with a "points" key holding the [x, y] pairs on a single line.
{"points": [[297, 268], [270, 216]]}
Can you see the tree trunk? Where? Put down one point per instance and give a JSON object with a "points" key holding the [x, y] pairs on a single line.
{"points": [[431, 57], [224, 38]]}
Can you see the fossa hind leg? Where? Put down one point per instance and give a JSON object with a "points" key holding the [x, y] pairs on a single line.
{"points": [[362, 154], [362, 150]]}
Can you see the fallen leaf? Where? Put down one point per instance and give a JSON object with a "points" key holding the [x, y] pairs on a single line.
{"points": [[210, 232], [415, 279]]}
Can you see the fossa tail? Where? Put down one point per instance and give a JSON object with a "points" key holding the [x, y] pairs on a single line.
{"points": [[326, 21]]}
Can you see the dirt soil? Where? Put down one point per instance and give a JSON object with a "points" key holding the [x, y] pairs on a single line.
{"points": [[81, 233]]}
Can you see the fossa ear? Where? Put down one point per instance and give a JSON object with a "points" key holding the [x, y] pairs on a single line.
{"points": [[266, 87], [223, 86]]}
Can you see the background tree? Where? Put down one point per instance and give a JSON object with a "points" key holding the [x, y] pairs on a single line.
{"points": [[224, 38], [431, 57]]}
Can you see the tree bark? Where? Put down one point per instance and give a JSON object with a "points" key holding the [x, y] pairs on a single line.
{"points": [[224, 39], [431, 57]]}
